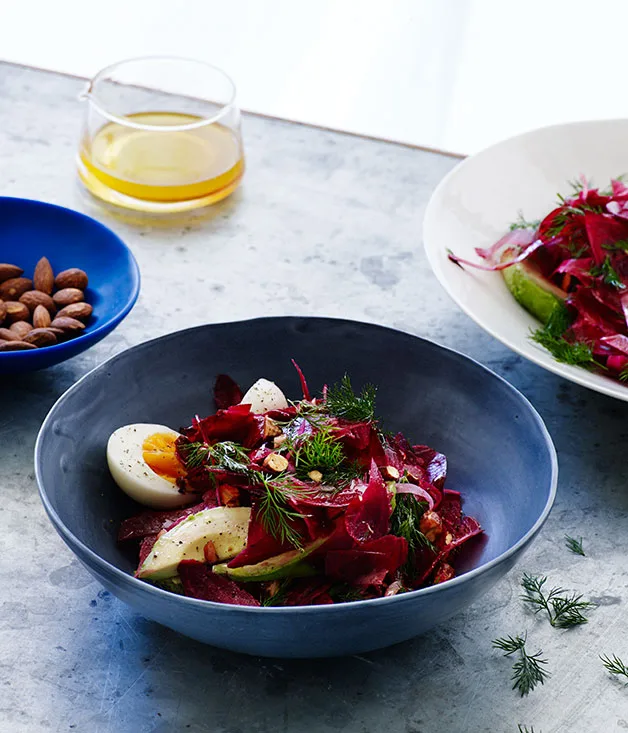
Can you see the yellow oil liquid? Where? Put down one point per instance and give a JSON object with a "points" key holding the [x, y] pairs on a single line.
{"points": [[161, 170]]}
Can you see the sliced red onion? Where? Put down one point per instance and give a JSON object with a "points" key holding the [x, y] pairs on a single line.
{"points": [[502, 265], [417, 491]]}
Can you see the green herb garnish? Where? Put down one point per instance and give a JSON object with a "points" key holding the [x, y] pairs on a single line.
{"points": [[343, 402], [608, 274], [522, 223], [275, 514], [615, 665], [405, 522], [563, 611], [528, 671], [551, 337], [623, 375], [574, 545], [322, 452]]}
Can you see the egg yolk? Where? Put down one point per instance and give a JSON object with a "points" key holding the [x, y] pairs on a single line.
{"points": [[159, 453]]}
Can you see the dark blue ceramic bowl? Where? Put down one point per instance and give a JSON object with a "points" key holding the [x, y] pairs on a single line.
{"points": [[30, 230], [500, 456]]}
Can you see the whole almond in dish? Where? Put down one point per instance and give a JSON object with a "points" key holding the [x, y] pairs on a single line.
{"points": [[72, 278], [44, 310], [44, 278], [67, 296], [15, 287]]}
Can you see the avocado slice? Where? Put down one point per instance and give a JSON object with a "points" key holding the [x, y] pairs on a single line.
{"points": [[534, 292], [286, 565], [226, 527]]}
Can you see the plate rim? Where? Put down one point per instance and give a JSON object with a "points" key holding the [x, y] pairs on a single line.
{"points": [[577, 375]]}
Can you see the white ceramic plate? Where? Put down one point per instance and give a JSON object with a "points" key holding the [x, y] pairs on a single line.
{"points": [[474, 205]]}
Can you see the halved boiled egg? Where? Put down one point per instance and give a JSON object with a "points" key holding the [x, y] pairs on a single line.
{"points": [[143, 462], [263, 396]]}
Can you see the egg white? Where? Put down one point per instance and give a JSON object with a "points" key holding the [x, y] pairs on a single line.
{"points": [[134, 476], [263, 396]]}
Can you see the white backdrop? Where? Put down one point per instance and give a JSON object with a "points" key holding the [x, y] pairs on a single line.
{"points": [[452, 74]]}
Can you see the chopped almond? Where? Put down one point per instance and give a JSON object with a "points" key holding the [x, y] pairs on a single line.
{"points": [[275, 462]]}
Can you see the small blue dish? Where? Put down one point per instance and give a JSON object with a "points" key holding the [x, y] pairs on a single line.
{"points": [[30, 230], [500, 457]]}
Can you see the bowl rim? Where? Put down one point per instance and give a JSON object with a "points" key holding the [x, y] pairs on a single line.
{"points": [[106, 568], [578, 375], [134, 279]]}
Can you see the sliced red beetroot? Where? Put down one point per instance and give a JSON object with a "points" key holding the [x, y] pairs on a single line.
{"points": [[200, 582], [617, 363], [236, 423], [351, 566], [330, 497], [149, 522], [367, 517], [146, 545], [259, 545], [355, 439], [304, 387], [395, 550], [308, 592], [604, 229], [618, 341], [435, 464], [578, 268], [226, 392]]}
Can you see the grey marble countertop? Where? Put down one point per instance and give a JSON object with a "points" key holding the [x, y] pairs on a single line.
{"points": [[325, 224]]}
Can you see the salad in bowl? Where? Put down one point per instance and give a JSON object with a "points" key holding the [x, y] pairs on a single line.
{"points": [[275, 503]]}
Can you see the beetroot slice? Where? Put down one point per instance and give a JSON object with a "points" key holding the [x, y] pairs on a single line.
{"points": [[226, 392], [148, 523], [200, 582], [146, 545], [306, 392], [435, 464], [236, 423], [367, 516]]}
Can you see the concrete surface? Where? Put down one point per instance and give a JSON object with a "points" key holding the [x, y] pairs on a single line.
{"points": [[325, 224]]}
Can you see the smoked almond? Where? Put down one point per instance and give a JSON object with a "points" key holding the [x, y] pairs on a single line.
{"points": [[7, 335], [41, 317], [16, 311], [15, 346], [40, 337], [76, 310], [21, 328], [7, 271], [72, 278], [15, 287], [33, 298], [44, 278], [69, 326], [67, 296]]}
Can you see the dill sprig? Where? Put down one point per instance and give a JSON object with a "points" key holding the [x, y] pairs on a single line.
{"points": [[621, 245], [615, 665], [343, 402], [405, 522], [322, 452], [275, 513], [522, 223], [608, 274], [227, 455], [563, 610], [552, 338], [528, 670], [623, 375], [574, 545], [279, 596]]}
